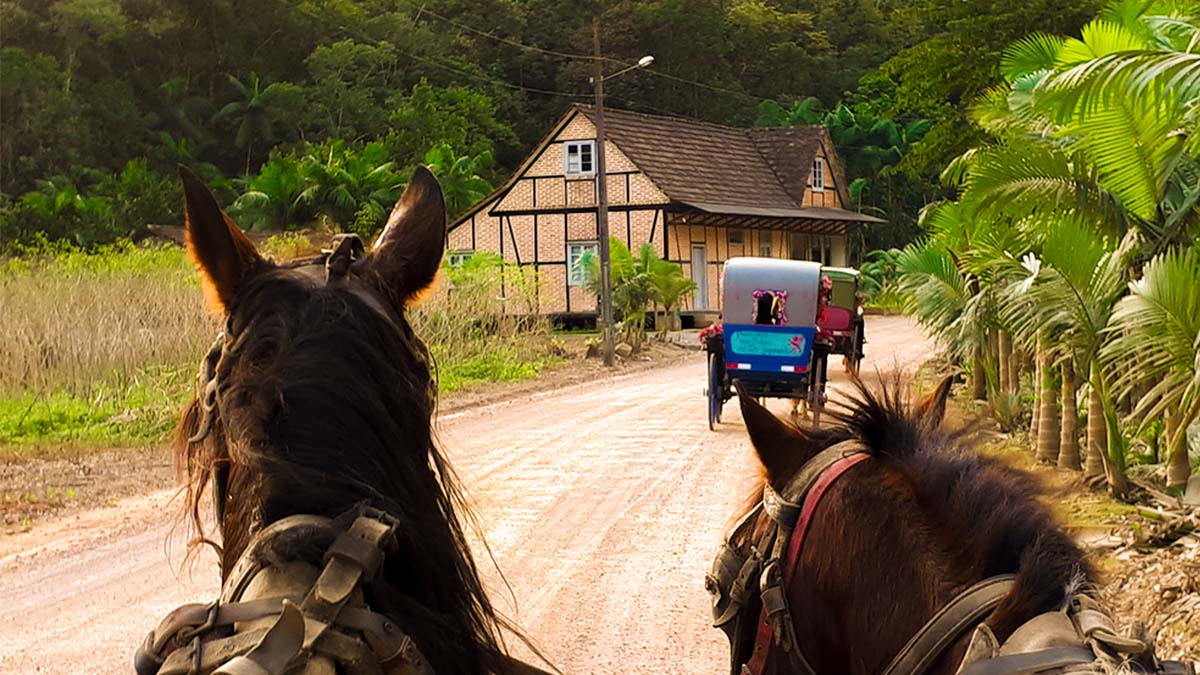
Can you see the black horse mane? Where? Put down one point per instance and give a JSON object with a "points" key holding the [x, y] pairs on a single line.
{"points": [[325, 402], [990, 514]]}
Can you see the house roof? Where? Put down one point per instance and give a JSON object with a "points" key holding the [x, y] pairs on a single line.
{"points": [[728, 170], [715, 168]]}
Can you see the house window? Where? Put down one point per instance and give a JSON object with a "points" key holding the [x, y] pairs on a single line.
{"points": [[818, 175], [736, 236], [764, 246], [576, 251], [456, 259], [579, 157]]}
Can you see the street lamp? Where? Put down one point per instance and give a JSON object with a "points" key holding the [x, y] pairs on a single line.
{"points": [[606, 310]]}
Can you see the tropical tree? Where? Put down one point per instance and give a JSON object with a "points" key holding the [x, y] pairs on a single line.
{"points": [[1094, 163], [1153, 337], [459, 176], [274, 199], [638, 282], [256, 109], [354, 189]]}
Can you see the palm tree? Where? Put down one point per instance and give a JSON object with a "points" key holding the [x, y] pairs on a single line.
{"points": [[460, 176], [1073, 286], [353, 189], [669, 285], [274, 198], [1153, 337], [256, 110]]}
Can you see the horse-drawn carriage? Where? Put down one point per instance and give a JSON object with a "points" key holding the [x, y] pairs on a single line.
{"points": [[766, 343], [840, 324]]}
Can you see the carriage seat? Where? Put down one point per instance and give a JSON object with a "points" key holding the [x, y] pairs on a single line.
{"points": [[837, 318]]}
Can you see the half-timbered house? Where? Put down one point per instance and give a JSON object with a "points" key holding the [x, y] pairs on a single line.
{"points": [[700, 193]]}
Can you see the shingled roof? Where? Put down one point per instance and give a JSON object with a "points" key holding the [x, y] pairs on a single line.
{"points": [[714, 167]]}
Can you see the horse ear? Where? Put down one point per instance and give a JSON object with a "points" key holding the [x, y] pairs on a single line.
{"points": [[781, 447], [408, 252], [221, 252], [932, 409]]}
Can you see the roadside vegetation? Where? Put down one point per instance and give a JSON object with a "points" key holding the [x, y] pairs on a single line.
{"points": [[101, 347], [1064, 274], [644, 287]]}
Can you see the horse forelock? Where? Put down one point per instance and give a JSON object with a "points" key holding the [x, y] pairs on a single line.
{"points": [[326, 401]]}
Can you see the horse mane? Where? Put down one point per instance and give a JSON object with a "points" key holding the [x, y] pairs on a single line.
{"points": [[327, 403], [989, 515]]}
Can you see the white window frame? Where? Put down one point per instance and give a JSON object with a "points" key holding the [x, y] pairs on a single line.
{"points": [[456, 259], [764, 247], [575, 273], [578, 147], [818, 175]]}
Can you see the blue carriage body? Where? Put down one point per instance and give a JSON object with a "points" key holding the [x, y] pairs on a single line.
{"points": [[769, 307]]}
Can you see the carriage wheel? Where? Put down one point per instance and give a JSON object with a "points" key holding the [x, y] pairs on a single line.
{"points": [[716, 390]]}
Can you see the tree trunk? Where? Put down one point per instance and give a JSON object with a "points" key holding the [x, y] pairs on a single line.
{"points": [[1037, 396], [1068, 451], [1015, 359], [1048, 430], [1006, 354], [1179, 467], [1097, 437], [979, 374]]}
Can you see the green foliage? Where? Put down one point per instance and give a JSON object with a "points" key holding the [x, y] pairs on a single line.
{"points": [[1086, 176], [99, 209], [870, 145], [640, 283], [460, 177]]}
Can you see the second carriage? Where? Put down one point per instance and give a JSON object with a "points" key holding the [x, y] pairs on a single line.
{"points": [[766, 344]]}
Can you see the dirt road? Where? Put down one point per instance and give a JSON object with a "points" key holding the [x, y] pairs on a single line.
{"points": [[603, 505]]}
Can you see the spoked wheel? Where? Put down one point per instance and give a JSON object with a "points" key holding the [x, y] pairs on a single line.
{"points": [[716, 388]]}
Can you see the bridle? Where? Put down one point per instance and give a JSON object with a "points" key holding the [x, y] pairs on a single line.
{"points": [[1077, 638]]}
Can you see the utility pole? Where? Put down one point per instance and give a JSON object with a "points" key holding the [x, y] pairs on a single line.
{"points": [[606, 310]]}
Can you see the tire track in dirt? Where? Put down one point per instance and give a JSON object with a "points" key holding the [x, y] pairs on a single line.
{"points": [[602, 503]]}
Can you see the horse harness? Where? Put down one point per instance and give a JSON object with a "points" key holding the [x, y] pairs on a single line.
{"points": [[1078, 638], [330, 620]]}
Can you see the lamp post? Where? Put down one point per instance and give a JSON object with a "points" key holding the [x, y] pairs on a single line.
{"points": [[606, 309]]}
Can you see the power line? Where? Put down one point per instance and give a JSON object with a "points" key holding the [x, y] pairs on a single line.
{"points": [[514, 43], [586, 57], [492, 80]]}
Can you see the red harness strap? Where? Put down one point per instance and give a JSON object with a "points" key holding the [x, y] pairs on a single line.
{"points": [[765, 633]]}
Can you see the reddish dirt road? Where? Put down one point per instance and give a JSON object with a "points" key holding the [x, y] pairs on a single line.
{"points": [[603, 505]]}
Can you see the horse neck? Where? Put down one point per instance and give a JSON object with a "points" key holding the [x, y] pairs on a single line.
{"points": [[873, 570]]}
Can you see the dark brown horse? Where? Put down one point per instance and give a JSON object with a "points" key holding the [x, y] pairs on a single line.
{"points": [[318, 401], [921, 518]]}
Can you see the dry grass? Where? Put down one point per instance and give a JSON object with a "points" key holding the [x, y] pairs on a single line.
{"points": [[102, 348], [74, 320]]}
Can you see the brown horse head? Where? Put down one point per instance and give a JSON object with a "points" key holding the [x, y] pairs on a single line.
{"points": [[924, 517], [322, 400]]}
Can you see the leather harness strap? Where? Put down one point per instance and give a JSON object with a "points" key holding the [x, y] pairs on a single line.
{"points": [[1031, 662], [951, 622], [814, 479]]}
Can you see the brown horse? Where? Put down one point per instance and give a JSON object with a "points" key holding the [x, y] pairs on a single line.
{"points": [[313, 430], [916, 518]]}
